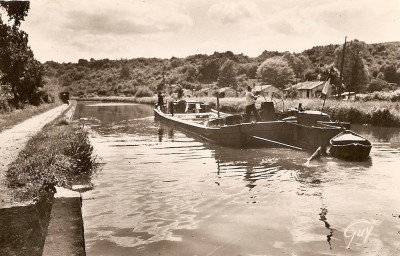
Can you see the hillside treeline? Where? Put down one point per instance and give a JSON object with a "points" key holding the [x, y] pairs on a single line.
{"points": [[366, 68], [24, 80]]}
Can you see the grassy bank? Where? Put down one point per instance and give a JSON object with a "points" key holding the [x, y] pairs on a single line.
{"points": [[141, 100], [373, 112], [12, 118], [376, 113], [59, 155]]}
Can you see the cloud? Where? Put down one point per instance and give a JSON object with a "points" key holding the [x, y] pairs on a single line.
{"points": [[62, 30], [68, 30], [283, 27], [109, 17], [95, 23], [233, 12], [308, 18]]}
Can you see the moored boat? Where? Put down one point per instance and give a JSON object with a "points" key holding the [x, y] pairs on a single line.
{"points": [[350, 146], [309, 130]]}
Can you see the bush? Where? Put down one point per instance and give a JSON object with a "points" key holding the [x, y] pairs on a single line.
{"points": [[143, 91], [355, 115], [377, 85], [383, 117]]}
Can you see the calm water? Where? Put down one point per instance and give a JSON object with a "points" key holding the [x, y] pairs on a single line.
{"points": [[164, 192]]}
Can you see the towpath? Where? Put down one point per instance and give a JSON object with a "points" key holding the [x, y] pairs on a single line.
{"points": [[13, 140]]}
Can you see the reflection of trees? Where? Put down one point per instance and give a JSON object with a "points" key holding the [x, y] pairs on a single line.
{"points": [[384, 134], [114, 113]]}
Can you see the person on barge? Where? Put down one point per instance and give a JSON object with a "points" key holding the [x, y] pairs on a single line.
{"points": [[251, 105]]}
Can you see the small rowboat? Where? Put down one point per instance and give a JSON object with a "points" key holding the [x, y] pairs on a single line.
{"points": [[350, 146]]}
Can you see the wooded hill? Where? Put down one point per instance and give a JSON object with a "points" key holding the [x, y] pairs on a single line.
{"points": [[367, 67]]}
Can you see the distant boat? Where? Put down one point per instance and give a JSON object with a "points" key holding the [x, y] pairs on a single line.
{"points": [[350, 146], [309, 130]]}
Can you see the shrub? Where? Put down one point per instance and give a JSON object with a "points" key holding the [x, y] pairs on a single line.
{"points": [[377, 85], [355, 115], [383, 117], [143, 91]]}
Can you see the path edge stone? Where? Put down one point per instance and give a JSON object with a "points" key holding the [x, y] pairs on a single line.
{"points": [[65, 233]]}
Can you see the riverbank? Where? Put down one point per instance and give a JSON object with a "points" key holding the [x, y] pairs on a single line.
{"points": [[59, 155], [373, 112], [13, 140]]}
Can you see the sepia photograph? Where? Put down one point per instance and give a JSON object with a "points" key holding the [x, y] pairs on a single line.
{"points": [[199, 127]]}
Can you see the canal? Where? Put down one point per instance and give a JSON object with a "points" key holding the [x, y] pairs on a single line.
{"points": [[165, 192]]}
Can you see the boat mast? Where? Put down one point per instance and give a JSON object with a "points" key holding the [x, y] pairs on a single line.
{"points": [[341, 66], [218, 104]]}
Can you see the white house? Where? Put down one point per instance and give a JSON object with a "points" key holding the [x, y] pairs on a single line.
{"points": [[310, 89], [267, 90]]}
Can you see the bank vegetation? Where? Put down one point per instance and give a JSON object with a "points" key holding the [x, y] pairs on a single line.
{"points": [[381, 113], [59, 155]]}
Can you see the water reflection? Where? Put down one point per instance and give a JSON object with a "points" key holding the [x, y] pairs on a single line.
{"points": [[379, 134], [163, 191], [160, 134], [323, 218], [112, 112], [268, 168]]}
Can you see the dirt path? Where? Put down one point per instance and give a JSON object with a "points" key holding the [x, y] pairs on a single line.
{"points": [[13, 140]]}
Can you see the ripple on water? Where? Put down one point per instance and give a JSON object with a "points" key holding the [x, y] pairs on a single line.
{"points": [[160, 186]]}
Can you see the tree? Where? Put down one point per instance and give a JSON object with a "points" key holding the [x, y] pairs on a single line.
{"points": [[299, 63], [241, 83], [180, 92], [208, 70], [248, 69], [125, 72], [16, 11], [355, 74], [227, 75], [19, 67], [275, 71], [390, 73], [191, 73]]}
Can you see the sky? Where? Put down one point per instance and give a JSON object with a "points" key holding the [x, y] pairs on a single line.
{"points": [[68, 30]]}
